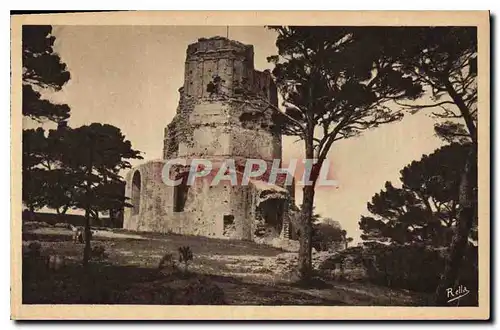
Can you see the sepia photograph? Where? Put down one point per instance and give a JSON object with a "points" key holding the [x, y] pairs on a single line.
{"points": [[200, 162]]}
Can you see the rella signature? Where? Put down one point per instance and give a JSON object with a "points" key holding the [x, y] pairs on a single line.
{"points": [[456, 293]]}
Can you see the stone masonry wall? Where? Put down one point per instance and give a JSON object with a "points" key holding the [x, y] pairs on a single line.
{"points": [[204, 117], [223, 112], [155, 200], [206, 205]]}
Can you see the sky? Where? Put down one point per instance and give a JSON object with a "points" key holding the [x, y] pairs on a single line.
{"points": [[129, 76]]}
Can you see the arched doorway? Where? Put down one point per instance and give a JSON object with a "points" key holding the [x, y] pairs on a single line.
{"points": [[271, 212], [136, 193]]}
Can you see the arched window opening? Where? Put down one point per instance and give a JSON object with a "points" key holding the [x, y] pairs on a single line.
{"points": [[180, 194], [136, 193]]}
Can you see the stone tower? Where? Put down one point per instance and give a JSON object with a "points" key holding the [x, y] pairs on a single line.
{"points": [[211, 118], [223, 113]]}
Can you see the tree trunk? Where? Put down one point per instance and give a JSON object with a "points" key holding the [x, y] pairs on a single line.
{"points": [[305, 239], [31, 213], [464, 110], [112, 218], [467, 212], [87, 248], [88, 197]]}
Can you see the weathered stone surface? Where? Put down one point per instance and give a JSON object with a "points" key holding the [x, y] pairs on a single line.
{"points": [[223, 113], [280, 243], [282, 264]]}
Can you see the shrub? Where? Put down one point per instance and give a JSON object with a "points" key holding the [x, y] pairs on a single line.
{"points": [[409, 267], [344, 265], [185, 256], [327, 236], [201, 291], [34, 249], [99, 252], [167, 262], [412, 267], [34, 263]]}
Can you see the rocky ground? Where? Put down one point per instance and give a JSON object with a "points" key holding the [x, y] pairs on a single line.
{"points": [[247, 273]]}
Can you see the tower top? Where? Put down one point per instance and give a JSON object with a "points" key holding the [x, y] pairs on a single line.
{"points": [[218, 44], [211, 120]]}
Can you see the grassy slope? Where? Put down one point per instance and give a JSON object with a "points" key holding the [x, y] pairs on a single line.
{"points": [[129, 274]]}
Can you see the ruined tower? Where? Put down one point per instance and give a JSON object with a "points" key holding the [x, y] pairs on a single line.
{"points": [[218, 73], [224, 112]]}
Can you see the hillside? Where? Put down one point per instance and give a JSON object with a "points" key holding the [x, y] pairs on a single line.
{"points": [[247, 273]]}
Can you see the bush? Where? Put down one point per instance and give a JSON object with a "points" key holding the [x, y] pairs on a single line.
{"points": [[201, 291], [344, 265], [167, 262], [99, 252], [34, 249], [413, 268], [327, 236], [34, 263], [185, 256], [416, 268]]}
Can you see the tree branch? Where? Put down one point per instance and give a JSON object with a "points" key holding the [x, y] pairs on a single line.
{"points": [[423, 106]]}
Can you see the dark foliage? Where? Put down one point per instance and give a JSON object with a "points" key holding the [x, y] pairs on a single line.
{"points": [[76, 168], [54, 168], [333, 80], [185, 256], [416, 268], [167, 262], [412, 267], [202, 292], [444, 61], [328, 235], [42, 69], [425, 208], [99, 252]]}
